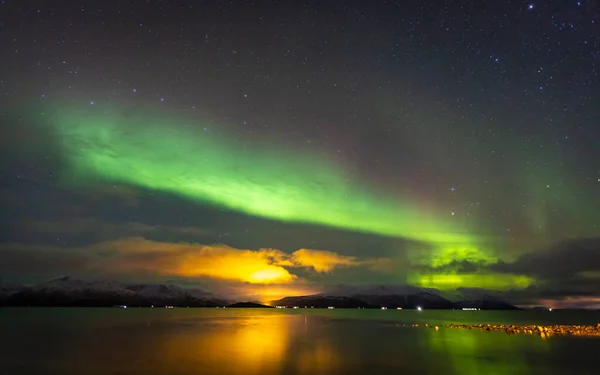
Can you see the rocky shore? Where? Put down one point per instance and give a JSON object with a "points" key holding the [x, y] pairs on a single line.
{"points": [[543, 331], [540, 330]]}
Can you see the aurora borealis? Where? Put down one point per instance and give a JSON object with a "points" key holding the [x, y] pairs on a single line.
{"points": [[270, 183], [280, 151]]}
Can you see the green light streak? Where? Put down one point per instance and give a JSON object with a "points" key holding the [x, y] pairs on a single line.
{"points": [[268, 181], [444, 269], [497, 281]]}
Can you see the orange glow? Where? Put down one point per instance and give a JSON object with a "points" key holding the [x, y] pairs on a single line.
{"points": [[320, 260], [265, 275], [194, 260], [263, 266], [265, 294]]}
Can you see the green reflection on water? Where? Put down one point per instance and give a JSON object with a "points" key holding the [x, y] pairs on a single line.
{"points": [[470, 352]]}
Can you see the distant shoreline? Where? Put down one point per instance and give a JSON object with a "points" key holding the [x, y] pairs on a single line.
{"points": [[270, 308]]}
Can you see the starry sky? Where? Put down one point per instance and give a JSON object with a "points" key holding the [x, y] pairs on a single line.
{"points": [[265, 149]]}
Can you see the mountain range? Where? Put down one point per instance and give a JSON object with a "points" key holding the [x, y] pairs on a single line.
{"points": [[68, 291], [405, 297]]}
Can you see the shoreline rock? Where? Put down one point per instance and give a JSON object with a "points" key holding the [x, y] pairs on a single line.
{"points": [[542, 330]]}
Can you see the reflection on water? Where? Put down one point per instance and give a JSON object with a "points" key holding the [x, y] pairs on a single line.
{"points": [[257, 343], [254, 344], [470, 352], [228, 341]]}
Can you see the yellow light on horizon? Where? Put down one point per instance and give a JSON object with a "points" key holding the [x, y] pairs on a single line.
{"points": [[268, 275]]}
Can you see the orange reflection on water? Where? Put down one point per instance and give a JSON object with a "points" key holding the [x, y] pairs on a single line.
{"points": [[322, 355], [262, 344]]}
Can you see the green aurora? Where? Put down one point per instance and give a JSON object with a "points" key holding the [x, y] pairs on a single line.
{"points": [[279, 184], [271, 181], [441, 270]]}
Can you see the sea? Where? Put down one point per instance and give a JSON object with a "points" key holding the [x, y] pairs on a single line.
{"points": [[159, 341]]}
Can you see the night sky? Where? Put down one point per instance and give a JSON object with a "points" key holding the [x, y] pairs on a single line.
{"points": [[265, 149]]}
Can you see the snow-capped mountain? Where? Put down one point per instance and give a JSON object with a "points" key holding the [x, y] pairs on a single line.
{"points": [[376, 290], [322, 301], [166, 291], [460, 294], [68, 291], [393, 296], [481, 299], [170, 294], [7, 288], [396, 296], [70, 285], [424, 300]]}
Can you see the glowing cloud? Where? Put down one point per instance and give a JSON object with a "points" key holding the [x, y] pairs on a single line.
{"points": [[263, 266], [322, 261], [261, 180], [326, 261], [194, 260]]}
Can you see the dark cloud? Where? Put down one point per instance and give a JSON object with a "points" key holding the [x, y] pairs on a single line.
{"points": [[573, 293], [110, 230], [566, 275], [454, 266], [25, 263], [565, 260]]}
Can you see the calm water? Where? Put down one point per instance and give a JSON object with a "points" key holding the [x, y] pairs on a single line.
{"points": [[247, 341]]}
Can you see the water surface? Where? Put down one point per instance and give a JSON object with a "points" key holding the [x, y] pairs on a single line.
{"points": [[264, 341]]}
